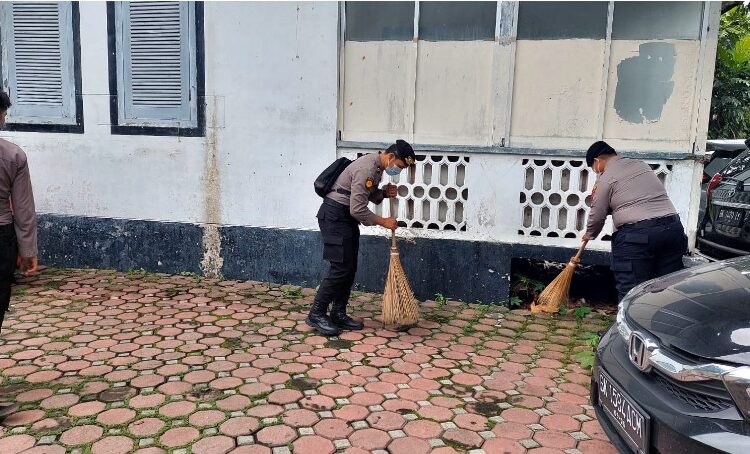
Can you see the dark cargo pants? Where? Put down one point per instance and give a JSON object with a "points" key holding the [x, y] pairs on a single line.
{"points": [[646, 250], [8, 254], [340, 232]]}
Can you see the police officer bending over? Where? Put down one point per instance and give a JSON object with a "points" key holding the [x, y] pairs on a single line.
{"points": [[343, 209], [649, 240]]}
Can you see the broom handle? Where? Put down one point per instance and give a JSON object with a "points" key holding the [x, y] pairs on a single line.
{"points": [[393, 215], [580, 250]]}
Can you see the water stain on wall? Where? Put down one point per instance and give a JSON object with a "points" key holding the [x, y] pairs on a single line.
{"points": [[644, 83]]}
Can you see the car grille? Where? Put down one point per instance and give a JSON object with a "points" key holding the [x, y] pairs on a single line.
{"points": [[710, 396]]}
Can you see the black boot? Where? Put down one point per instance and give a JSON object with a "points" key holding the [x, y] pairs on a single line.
{"points": [[318, 319], [343, 321]]}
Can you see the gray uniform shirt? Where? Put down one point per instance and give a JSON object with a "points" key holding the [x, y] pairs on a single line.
{"points": [[630, 191], [15, 188], [358, 185]]}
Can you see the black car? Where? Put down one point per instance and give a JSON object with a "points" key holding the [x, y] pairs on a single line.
{"points": [[672, 375], [719, 153], [725, 229]]}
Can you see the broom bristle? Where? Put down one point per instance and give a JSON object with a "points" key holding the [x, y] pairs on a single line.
{"points": [[399, 304], [556, 293]]}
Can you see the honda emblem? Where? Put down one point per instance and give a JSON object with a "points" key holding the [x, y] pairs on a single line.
{"points": [[638, 352]]}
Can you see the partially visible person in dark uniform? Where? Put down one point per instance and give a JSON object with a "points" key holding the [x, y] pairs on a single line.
{"points": [[18, 246], [649, 239], [339, 217]]}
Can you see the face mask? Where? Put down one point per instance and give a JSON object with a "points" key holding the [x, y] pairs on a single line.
{"points": [[393, 171]]}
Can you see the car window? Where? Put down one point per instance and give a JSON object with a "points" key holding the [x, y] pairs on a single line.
{"points": [[738, 165], [715, 166], [728, 154]]}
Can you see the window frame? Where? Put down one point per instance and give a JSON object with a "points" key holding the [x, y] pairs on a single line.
{"points": [[506, 20], [506, 34], [120, 126], [32, 123]]}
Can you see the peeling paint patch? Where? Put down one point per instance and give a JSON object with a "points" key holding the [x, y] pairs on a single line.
{"points": [[486, 215], [644, 83], [212, 260]]}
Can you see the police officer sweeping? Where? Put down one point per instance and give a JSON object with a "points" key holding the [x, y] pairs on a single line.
{"points": [[649, 240], [347, 188]]}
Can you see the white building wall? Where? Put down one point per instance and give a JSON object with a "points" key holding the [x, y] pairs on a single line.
{"points": [[99, 174], [271, 82], [273, 69]]}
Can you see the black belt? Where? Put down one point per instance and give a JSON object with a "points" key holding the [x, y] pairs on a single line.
{"points": [[335, 204], [652, 222], [341, 210], [343, 191]]}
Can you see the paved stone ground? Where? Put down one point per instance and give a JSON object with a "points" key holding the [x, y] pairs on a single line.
{"points": [[111, 363]]}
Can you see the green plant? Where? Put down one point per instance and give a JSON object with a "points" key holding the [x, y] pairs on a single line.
{"points": [[587, 357], [133, 272], [563, 310], [515, 301], [435, 318], [291, 292], [730, 103], [52, 285], [581, 312], [440, 299], [525, 289], [591, 339], [533, 284]]}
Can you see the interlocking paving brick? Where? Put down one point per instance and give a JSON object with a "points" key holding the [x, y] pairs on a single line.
{"points": [[113, 445], [224, 366], [81, 435]]}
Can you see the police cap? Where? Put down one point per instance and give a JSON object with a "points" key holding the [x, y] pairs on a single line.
{"points": [[597, 149], [403, 151]]}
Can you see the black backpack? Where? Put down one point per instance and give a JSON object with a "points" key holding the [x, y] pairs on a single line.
{"points": [[325, 181]]}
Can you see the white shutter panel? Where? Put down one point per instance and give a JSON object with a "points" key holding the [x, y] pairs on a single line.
{"points": [[38, 63], [156, 56]]}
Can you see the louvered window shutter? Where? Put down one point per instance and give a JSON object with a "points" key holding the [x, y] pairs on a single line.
{"points": [[38, 62], [156, 64]]}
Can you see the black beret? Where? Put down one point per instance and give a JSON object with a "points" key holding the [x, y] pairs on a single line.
{"points": [[405, 152], [597, 149]]}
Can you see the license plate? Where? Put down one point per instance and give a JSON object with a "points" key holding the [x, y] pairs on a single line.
{"points": [[629, 419], [732, 218]]}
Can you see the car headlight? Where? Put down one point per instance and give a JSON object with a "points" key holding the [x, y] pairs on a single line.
{"points": [[622, 325], [738, 385]]}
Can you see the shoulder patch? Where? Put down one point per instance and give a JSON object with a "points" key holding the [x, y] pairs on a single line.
{"points": [[369, 183]]}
